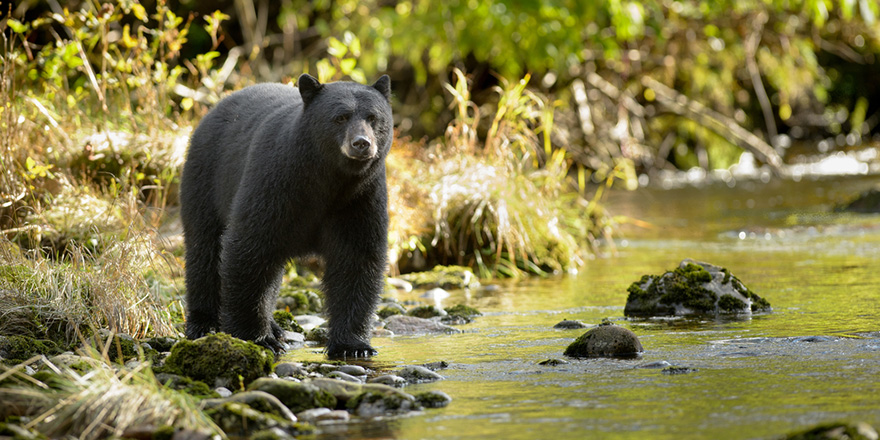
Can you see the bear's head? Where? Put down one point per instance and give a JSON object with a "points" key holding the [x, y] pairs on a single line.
{"points": [[352, 118]]}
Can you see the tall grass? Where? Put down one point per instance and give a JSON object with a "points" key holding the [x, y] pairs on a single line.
{"points": [[505, 203], [104, 402]]}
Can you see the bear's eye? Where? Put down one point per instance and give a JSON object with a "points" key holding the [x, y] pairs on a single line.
{"points": [[371, 119], [342, 118]]}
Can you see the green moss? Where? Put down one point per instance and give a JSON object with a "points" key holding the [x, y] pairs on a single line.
{"points": [[463, 310], [726, 275], [286, 321], [165, 432], [219, 356], [424, 312], [730, 304], [387, 311], [195, 388], [635, 289], [297, 396], [17, 348], [694, 273], [318, 334]]}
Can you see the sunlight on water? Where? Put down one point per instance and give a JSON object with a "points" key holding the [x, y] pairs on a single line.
{"points": [[815, 359]]}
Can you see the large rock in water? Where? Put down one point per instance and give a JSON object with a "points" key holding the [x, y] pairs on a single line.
{"points": [[694, 288], [605, 340]]}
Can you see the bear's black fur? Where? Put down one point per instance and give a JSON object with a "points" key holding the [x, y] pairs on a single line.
{"points": [[274, 172]]}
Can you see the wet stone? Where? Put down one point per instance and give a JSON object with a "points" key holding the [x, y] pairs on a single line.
{"points": [[655, 365], [569, 324], [418, 374], [606, 340], [289, 369], [433, 399], [437, 365], [390, 380], [354, 370], [343, 376], [678, 370], [553, 362]]}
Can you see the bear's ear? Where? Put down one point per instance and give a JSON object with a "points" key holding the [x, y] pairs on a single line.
{"points": [[383, 85], [309, 87]]}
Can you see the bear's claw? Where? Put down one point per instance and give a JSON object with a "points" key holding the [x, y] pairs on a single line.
{"points": [[277, 347]]}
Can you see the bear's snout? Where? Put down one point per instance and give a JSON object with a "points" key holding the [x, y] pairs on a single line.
{"points": [[359, 144]]}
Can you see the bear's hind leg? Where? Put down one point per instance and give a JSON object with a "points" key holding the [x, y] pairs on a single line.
{"points": [[202, 279]]}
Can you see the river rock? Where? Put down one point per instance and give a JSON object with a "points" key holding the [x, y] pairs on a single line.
{"points": [[258, 400], [375, 403], [298, 396], [418, 374], [410, 325], [606, 340], [344, 376], [694, 288], [290, 369], [433, 399], [219, 360], [237, 419], [392, 380], [569, 324]]}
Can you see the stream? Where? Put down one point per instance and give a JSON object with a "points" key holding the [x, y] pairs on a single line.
{"points": [[815, 359]]}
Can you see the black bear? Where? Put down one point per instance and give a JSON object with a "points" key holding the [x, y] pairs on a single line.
{"points": [[274, 172]]}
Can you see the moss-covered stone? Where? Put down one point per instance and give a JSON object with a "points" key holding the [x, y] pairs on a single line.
{"points": [[240, 420], [375, 403], [433, 399], [387, 311], [121, 348], [219, 360], [184, 384], [445, 277], [605, 341], [460, 313], [424, 312], [297, 396], [16, 349], [286, 321], [693, 288]]}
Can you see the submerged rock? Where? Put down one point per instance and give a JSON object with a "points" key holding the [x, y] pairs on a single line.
{"points": [[219, 360], [553, 362], [694, 288], [460, 314], [837, 431], [606, 340], [678, 370], [411, 325], [418, 374], [433, 399], [569, 324]]}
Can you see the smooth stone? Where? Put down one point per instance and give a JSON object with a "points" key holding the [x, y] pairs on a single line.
{"points": [[607, 340]]}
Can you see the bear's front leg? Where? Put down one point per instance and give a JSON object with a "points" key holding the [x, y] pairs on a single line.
{"points": [[250, 270], [355, 246]]}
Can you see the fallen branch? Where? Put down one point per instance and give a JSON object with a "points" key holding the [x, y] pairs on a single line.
{"points": [[724, 126]]}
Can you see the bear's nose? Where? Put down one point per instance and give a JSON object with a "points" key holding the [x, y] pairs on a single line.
{"points": [[361, 143]]}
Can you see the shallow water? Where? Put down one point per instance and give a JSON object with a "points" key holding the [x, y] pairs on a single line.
{"points": [[755, 378]]}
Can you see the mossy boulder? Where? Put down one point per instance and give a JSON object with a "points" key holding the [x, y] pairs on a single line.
{"points": [[425, 312], [444, 277], [433, 399], [297, 396], [17, 348], [373, 403], [344, 391], [606, 340], [184, 384], [120, 347], [694, 288], [460, 314], [219, 360], [390, 310]]}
